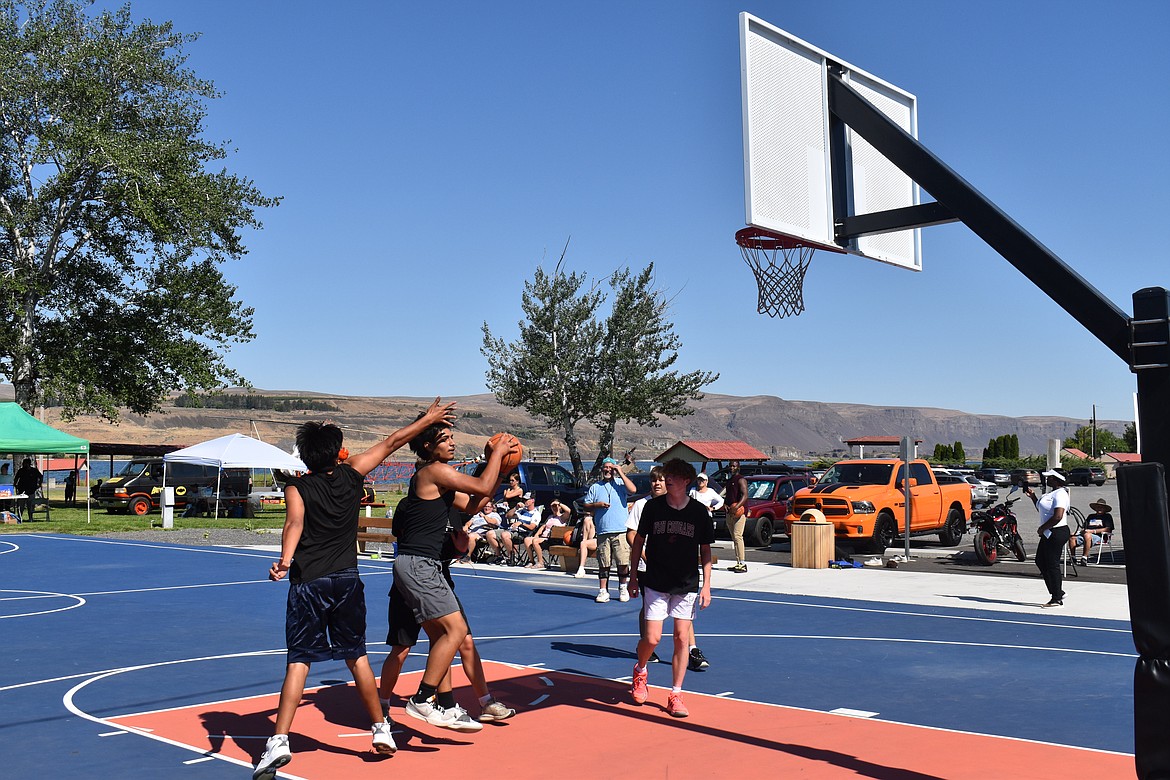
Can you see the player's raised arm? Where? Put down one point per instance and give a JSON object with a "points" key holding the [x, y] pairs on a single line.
{"points": [[437, 413]]}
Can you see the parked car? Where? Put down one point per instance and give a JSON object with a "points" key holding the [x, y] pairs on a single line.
{"points": [[641, 482], [545, 481], [768, 501], [983, 493], [1001, 477], [718, 480], [1085, 475], [1026, 478]]}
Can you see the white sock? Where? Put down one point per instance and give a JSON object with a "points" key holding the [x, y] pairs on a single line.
{"points": [[676, 690]]}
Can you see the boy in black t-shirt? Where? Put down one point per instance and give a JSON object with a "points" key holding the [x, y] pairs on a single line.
{"points": [[676, 531], [325, 617]]}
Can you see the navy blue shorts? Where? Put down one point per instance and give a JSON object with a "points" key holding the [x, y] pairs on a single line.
{"points": [[326, 618]]}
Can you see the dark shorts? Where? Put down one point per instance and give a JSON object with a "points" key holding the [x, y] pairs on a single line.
{"points": [[404, 629], [325, 618], [423, 587]]}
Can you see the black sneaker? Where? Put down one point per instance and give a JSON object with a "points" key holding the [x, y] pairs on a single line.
{"points": [[697, 661], [1053, 603], [654, 659]]}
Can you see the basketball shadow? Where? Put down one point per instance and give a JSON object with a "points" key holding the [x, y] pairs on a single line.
{"points": [[593, 651]]}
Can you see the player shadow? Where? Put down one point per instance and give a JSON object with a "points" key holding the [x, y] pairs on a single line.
{"points": [[571, 594], [584, 694], [982, 600], [593, 651], [250, 731]]}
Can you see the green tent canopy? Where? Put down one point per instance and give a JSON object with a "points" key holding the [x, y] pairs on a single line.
{"points": [[22, 433]]}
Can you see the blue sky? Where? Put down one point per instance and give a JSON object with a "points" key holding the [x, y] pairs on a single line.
{"points": [[430, 156]]}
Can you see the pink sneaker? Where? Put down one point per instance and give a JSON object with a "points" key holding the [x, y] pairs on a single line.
{"points": [[639, 690], [675, 706]]}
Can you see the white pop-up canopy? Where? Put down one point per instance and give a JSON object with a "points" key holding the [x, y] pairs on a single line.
{"points": [[235, 451]]}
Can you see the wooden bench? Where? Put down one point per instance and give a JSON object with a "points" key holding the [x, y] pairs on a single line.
{"points": [[374, 529]]}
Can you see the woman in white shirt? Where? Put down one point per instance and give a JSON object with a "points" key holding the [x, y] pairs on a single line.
{"points": [[705, 495], [1054, 533]]}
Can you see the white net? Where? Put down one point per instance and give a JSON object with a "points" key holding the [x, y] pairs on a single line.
{"points": [[779, 274]]}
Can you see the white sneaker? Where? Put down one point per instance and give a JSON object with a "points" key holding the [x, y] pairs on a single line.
{"points": [[623, 593], [383, 739], [429, 711], [494, 710], [276, 754], [602, 596], [578, 574], [461, 721]]}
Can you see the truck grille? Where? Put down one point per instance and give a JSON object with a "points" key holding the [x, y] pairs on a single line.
{"points": [[829, 506]]}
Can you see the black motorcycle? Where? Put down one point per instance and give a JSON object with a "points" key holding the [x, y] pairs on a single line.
{"points": [[996, 528]]}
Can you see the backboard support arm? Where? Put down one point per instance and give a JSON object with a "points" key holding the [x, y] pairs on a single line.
{"points": [[1003, 234]]}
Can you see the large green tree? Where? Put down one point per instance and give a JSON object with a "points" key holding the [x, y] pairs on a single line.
{"points": [[550, 369], [1106, 441], [113, 221], [569, 367], [635, 381]]}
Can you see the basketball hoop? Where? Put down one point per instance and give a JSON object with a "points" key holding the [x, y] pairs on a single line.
{"points": [[779, 263]]}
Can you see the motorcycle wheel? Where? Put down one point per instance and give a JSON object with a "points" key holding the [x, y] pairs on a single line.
{"points": [[1018, 549], [985, 549]]}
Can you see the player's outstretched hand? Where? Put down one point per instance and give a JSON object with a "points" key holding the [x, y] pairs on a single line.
{"points": [[439, 412]]}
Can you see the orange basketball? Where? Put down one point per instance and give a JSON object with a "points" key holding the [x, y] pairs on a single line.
{"points": [[505, 440]]}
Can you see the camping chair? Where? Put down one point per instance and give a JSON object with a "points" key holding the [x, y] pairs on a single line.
{"points": [[1068, 561], [36, 505]]}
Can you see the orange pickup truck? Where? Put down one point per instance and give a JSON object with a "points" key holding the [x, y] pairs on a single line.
{"points": [[864, 501]]}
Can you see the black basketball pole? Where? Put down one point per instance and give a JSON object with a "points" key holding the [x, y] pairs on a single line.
{"points": [[1142, 341]]}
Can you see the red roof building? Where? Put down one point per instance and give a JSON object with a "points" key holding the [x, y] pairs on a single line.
{"points": [[693, 451], [1111, 460]]}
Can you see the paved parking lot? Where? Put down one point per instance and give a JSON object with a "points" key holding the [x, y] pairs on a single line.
{"points": [[929, 554]]}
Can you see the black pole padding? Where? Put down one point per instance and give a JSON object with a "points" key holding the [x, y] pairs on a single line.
{"points": [[1145, 524]]}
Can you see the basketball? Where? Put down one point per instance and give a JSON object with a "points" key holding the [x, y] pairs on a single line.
{"points": [[505, 440]]}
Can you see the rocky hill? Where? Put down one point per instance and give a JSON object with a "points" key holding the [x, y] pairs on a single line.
{"points": [[785, 429]]}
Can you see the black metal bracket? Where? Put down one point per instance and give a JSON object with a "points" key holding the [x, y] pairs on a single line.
{"points": [[922, 215]]}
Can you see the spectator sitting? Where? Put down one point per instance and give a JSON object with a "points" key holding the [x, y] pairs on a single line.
{"points": [[522, 522], [558, 515], [588, 544], [477, 529], [1098, 527]]}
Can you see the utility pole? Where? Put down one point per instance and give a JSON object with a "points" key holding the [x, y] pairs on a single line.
{"points": [[1093, 446]]}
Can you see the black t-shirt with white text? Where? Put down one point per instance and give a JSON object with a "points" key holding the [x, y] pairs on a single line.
{"points": [[673, 537]]}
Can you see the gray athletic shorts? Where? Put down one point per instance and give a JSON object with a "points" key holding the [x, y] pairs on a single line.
{"points": [[423, 587]]}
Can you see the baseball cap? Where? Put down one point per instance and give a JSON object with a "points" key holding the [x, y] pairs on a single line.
{"points": [[609, 462], [701, 476], [527, 496], [1057, 474]]}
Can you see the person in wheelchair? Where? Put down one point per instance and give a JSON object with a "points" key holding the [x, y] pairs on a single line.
{"points": [[1096, 530]]}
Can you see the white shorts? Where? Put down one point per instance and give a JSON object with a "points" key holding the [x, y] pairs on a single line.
{"points": [[659, 606]]}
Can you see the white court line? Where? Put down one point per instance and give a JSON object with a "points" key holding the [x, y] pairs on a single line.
{"points": [[41, 594], [853, 713], [12, 547], [153, 546], [113, 733], [199, 760]]}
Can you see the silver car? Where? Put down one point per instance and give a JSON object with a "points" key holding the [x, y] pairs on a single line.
{"points": [[983, 493]]}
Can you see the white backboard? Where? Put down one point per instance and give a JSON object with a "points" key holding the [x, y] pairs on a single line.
{"points": [[787, 170]]}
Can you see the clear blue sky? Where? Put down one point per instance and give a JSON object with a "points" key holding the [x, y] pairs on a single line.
{"points": [[431, 155]]}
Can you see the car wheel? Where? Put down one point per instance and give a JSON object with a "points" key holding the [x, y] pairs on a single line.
{"points": [[952, 532], [884, 531], [985, 547], [759, 533], [140, 506]]}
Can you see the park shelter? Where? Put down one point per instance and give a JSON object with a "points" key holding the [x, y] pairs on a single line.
{"points": [[695, 451], [235, 451]]}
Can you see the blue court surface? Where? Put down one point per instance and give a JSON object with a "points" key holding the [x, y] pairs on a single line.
{"points": [[97, 630]]}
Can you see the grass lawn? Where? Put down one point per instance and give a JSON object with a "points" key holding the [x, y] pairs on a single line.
{"points": [[72, 520]]}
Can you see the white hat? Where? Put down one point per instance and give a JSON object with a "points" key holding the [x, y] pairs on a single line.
{"points": [[1055, 473], [702, 476]]}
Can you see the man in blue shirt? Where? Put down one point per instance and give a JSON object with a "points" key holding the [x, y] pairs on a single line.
{"points": [[607, 499]]}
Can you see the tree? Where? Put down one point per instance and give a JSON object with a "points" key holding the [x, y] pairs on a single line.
{"points": [[1130, 437], [943, 453], [634, 381], [1106, 441], [112, 224], [958, 453], [550, 369]]}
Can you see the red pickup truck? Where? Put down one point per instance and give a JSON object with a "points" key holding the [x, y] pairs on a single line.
{"points": [[865, 502]]}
